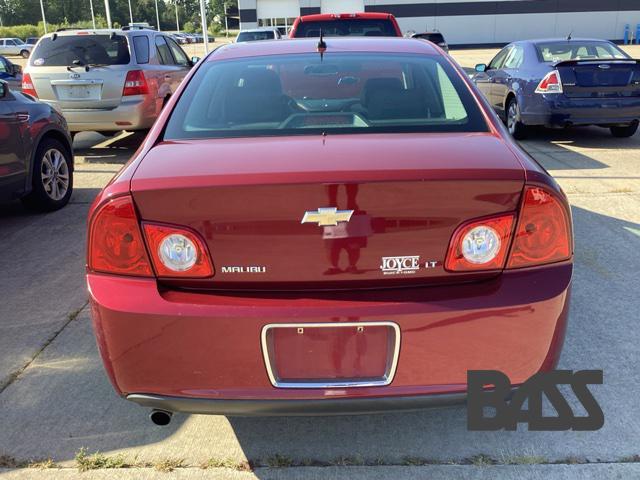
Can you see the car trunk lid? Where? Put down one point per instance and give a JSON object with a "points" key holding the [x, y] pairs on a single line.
{"points": [[406, 195], [600, 78]]}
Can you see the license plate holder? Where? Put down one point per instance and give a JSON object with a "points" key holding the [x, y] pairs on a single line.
{"points": [[331, 355]]}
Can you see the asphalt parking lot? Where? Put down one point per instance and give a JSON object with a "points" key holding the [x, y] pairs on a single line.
{"points": [[56, 400]]}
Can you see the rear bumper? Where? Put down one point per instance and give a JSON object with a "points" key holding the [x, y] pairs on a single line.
{"points": [[201, 352], [293, 408], [134, 113], [559, 110]]}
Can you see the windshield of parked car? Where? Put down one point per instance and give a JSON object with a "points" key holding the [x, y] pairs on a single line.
{"points": [[353, 27], [341, 93], [253, 36], [579, 50], [82, 49]]}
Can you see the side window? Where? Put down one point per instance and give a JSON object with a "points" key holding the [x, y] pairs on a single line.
{"points": [[4, 67], [515, 58], [10, 42], [141, 46], [499, 59], [602, 52], [164, 55], [178, 54]]}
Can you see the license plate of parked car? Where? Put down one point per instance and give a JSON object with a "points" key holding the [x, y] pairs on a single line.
{"points": [[79, 92]]}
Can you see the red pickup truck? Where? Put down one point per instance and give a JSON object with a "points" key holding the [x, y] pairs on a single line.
{"points": [[346, 25]]}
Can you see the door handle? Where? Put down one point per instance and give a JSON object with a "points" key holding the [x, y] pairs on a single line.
{"points": [[167, 77]]}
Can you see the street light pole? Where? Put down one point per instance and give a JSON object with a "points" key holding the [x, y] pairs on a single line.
{"points": [[158, 16], [93, 17], [108, 11], [130, 12], [205, 33], [44, 20], [177, 19]]}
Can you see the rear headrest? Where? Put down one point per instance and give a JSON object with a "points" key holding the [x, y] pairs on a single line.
{"points": [[379, 85], [261, 79], [373, 33]]}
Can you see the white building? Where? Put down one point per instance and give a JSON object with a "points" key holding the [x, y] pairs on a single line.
{"points": [[470, 21]]}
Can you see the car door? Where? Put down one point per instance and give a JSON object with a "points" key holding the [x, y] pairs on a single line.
{"points": [[3, 47], [168, 71], [180, 60], [12, 162], [11, 48], [485, 80], [503, 77]]}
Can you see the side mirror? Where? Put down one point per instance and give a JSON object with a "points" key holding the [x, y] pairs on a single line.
{"points": [[194, 60], [16, 70], [481, 67], [4, 88]]}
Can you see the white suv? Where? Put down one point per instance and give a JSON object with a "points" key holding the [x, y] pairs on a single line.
{"points": [[106, 80]]}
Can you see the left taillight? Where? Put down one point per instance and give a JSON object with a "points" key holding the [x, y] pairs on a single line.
{"points": [[135, 84], [27, 86], [177, 252], [115, 240]]}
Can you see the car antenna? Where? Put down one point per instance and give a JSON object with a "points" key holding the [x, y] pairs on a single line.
{"points": [[322, 46], [569, 37]]}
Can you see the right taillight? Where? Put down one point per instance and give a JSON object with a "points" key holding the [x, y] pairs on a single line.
{"points": [[27, 86], [551, 83], [177, 252], [135, 83], [115, 240], [543, 233]]}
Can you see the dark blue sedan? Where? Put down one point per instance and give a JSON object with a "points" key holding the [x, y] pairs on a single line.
{"points": [[560, 83]]}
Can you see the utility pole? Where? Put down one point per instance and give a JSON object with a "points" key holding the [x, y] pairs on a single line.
{"points": [[130, 12], [158, 16], [108, 11], [44, 20], [205, 32]]}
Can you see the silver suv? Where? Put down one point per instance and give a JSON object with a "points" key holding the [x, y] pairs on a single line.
{"points": [[106, 80], [14, 46]]}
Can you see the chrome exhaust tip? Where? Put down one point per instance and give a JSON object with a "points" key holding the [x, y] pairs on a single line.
{"points": [[161, 418]]}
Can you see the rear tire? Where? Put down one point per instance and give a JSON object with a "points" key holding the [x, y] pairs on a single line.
{"points": [[24, 53], [52, 178], [625, 132], [517, 129]]}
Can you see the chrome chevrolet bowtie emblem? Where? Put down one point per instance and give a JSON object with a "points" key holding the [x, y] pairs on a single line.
{"points": [[326, 217]]}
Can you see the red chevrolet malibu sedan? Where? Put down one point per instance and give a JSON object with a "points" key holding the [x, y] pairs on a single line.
{"points": [[312, 230]]}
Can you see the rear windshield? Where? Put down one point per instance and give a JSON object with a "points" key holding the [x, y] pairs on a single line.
{"points": [[85, 49], [347, 28], [578, 50], [253, 36], [344, 93]]}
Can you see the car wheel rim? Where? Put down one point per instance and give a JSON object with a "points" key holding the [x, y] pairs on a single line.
{"points": [[55, 174], [512, 117]]}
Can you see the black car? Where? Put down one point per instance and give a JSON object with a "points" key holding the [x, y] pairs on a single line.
{"points": [[434, 37], [36, 156]]}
